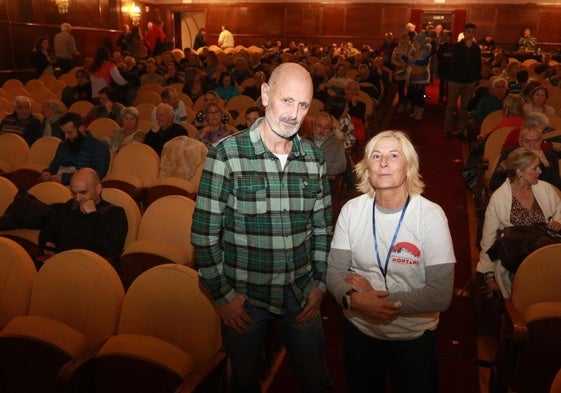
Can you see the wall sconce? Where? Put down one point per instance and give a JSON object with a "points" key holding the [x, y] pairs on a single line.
{"points": [[62, 6], [134, 12]]}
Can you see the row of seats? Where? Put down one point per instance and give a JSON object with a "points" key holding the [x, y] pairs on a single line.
{"points": [[161, 234], [72, 327]]}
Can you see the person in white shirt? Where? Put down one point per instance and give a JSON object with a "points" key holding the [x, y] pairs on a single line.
{"points": [[226, 38]]}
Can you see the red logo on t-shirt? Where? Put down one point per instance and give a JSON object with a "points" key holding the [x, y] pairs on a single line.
{"points": [[406, 253]]}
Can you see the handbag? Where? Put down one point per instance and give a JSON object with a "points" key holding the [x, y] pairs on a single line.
{"points": [[517, 242]]}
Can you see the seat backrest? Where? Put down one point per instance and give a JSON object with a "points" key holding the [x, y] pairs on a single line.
{"points": [[145, 110], [8, 191], [43, 150], [167, 302], [494, 145], [554, 122], [34, 84], [556, 384], [239, 103], [490, 122], [150, 86], [183, 157], [12, 83], [81, 107], [13, 150], [82, 290], [315, 107], [139, 160], [168, 220], [50, 192], [17, 273], [148, 96], [103, 127], [120, 198], [538, 278]]}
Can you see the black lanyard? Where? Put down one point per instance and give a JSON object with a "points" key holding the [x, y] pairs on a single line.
{"points": [[384, 269]]}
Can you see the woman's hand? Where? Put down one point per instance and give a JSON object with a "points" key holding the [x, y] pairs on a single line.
{"points": [[372, 305], [554, 225], [359, 283]]}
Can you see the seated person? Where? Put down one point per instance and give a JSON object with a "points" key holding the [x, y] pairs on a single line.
{"points": [[522, 199], [151, 74], [487, 104], [170, 96], [333, 151], [51, 113], [129, 132], [513, 115], [527, 43], [215, 129], [167, 129], [339, 80], [78, 149], [81, 92], [517, 86], [107, 107], [86, 221], [251, 115], [210, 96], [254, 90], [226, 87], [21, 121], [356, 108], [537, 103], [538, 119], [531, 137]]}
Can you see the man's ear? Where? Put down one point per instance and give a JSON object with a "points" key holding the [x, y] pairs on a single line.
{"points": [[265, 94], [82, 129]]}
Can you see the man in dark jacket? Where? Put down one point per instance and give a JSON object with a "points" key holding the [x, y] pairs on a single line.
{"points": [[167, 129], [465, 72]]}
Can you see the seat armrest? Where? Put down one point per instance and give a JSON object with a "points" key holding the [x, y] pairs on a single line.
{"points": [[194, 381], [515, 322]]}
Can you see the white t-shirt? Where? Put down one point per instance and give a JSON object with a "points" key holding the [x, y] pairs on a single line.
{"points": [[423, 240]]}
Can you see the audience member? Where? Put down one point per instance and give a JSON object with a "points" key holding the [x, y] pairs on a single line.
{"points": [[254, 90], [129, 132], [357, 108], [104, 73], [420, 75], [333, 151], [535, 118], [487, 104], [22, 121], [173, 75], [79, 149], [516, 86], [226, 86], [167, 129], [152, 75], [210, 96], [225, 38], [107, 107], [65, 49], [124, 40], [400, 60], [86, 221], [444, 58], [251, 115], [194, 85], [382, 76], [155, 39], [387, 46], [170, 96], [51, 111], [464, 75], [240, 218], [527, 43], [531, 137], [42, 57], [537, 103], [241, 71], [200, 39], [214, 129], [82, 91], [513, 115]]}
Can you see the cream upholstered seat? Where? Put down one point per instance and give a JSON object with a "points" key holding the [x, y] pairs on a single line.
{"points": [[134, 168], [163, 237], [145, 110], [39, 158], [169, 334], [17, 273], [239, 104], [532, 322], [13, 152], [74, 308], [8, 191], [103, 127], [120, 198], [81, 107], [147, 96]]}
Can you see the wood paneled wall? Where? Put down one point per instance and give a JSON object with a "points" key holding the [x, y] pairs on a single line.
{"points": [[98, 22]]}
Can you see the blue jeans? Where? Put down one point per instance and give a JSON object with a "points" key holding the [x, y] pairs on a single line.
{"points": [[410, 364], [304, 344]]}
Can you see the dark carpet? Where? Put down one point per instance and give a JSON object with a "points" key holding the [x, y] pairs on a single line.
{"points": [[441, 163]]}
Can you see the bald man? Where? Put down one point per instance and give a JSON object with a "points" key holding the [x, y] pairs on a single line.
{"points": [[86, 221], [261, 232], [166, 130]]}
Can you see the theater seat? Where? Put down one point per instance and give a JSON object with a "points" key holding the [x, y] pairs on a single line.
{"points": [[132, 211], [74, 308], [39, 158], [163, 237], [13, 152], [8, 191], [169, 335], [17, 273], [532, 323]]}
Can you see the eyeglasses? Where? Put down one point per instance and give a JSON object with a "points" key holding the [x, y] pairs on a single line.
{"points": [[212, 112], [531, 141], [325, 128]]}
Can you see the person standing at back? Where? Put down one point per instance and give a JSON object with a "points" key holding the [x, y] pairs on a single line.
{"points": [[226, 38], [200, 39], [465, 72], [261, 232], [65, 48]]}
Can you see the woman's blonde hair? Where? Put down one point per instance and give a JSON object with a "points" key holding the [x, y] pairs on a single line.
{"points": [[520, 158], [413, 182], [513, 105]]}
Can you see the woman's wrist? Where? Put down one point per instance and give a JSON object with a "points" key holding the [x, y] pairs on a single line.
{"points": [[489, 276]]}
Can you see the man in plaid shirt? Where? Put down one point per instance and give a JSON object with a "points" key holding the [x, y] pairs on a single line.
{"points": [[261, 231]]}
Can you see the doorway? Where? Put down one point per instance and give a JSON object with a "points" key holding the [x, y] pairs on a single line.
{"points": [[190, 23], [437, 18]]}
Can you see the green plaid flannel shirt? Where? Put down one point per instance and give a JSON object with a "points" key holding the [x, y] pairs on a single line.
{"points": [[259, 230]]}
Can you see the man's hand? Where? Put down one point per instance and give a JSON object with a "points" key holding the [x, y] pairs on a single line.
{"points": [[87, 207], [542, 157], [234, 315], [312, 307], [45, 176]]}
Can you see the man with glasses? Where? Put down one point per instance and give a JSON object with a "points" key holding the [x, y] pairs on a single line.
{"points": [[332, 148], [167, 129], [465, 72], [531, 137]]}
